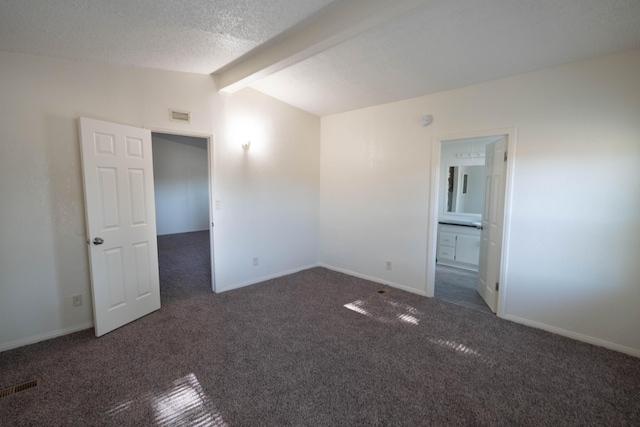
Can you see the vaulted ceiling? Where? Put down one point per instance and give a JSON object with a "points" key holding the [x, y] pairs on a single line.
{"points": [[326, 56]]}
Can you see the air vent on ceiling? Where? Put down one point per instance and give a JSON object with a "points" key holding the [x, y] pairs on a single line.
{"points": [[180, 116]]}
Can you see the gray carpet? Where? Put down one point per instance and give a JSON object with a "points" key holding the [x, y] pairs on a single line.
{"points": [[316, 348]]}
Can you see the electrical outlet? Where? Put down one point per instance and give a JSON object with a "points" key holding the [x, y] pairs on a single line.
{"points": [[218, 205], [76, 300], [255, 261], [388, 265]]}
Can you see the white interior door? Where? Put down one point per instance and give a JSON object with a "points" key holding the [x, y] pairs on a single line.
{"points": [[492, 220], [117, 168]]}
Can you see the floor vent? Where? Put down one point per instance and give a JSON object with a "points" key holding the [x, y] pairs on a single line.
{"points": [[20, 387]]}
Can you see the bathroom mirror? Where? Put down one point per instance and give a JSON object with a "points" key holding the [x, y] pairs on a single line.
{"points": [[465, 189]]}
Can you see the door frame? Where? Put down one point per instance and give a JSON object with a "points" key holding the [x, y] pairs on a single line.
{"points": [[434, 200], [210, 146]]}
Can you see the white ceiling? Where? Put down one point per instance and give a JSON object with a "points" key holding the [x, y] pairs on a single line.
{"points": [[376, 55]]}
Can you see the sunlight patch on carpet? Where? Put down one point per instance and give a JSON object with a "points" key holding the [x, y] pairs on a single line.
{"points": [[120, 408], [459, 348], [386, 310], [184, 403]]}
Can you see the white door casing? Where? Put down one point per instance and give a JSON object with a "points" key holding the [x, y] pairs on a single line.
{"points": [[492, 223], [117, 168]]}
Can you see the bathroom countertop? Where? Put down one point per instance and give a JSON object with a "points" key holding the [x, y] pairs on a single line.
{"points": [[461, 223]]}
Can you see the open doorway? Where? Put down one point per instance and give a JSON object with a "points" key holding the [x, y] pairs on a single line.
{"points": [[183, 217], [460, 209]]}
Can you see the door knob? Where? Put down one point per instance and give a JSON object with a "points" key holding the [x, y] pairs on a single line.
{"points": [[98, 241]]}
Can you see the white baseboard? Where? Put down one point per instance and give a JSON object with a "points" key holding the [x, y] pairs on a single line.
{"points": [[375, 279], [46, 336], [265, 278], [574, 335]]}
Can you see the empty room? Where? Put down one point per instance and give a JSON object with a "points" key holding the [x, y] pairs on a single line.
{"points": [[409, 212]]}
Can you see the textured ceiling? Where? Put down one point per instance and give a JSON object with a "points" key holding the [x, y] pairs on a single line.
{"points": [[442, 45], [196, 36]]}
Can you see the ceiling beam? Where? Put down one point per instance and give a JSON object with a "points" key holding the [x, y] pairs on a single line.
{"points": [[334, 25]]}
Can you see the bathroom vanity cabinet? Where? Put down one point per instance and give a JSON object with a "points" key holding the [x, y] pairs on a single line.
{"points": [[459, 246]]}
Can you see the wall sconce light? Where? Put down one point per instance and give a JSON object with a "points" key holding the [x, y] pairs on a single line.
{"points": [[246, 145]]}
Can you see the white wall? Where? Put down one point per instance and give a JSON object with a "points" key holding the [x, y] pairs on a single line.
{"points": [[575, 225], [181, 183], [269, 196]]}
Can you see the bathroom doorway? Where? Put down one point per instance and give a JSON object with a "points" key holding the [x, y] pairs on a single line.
{"points": [[458, 209]]}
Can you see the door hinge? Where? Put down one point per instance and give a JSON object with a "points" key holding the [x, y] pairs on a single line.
{"points": [[505, 156], [497, 286]]}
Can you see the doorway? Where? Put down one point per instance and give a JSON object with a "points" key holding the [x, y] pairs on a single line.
{"points": [[182, 184], [454, 242]]}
